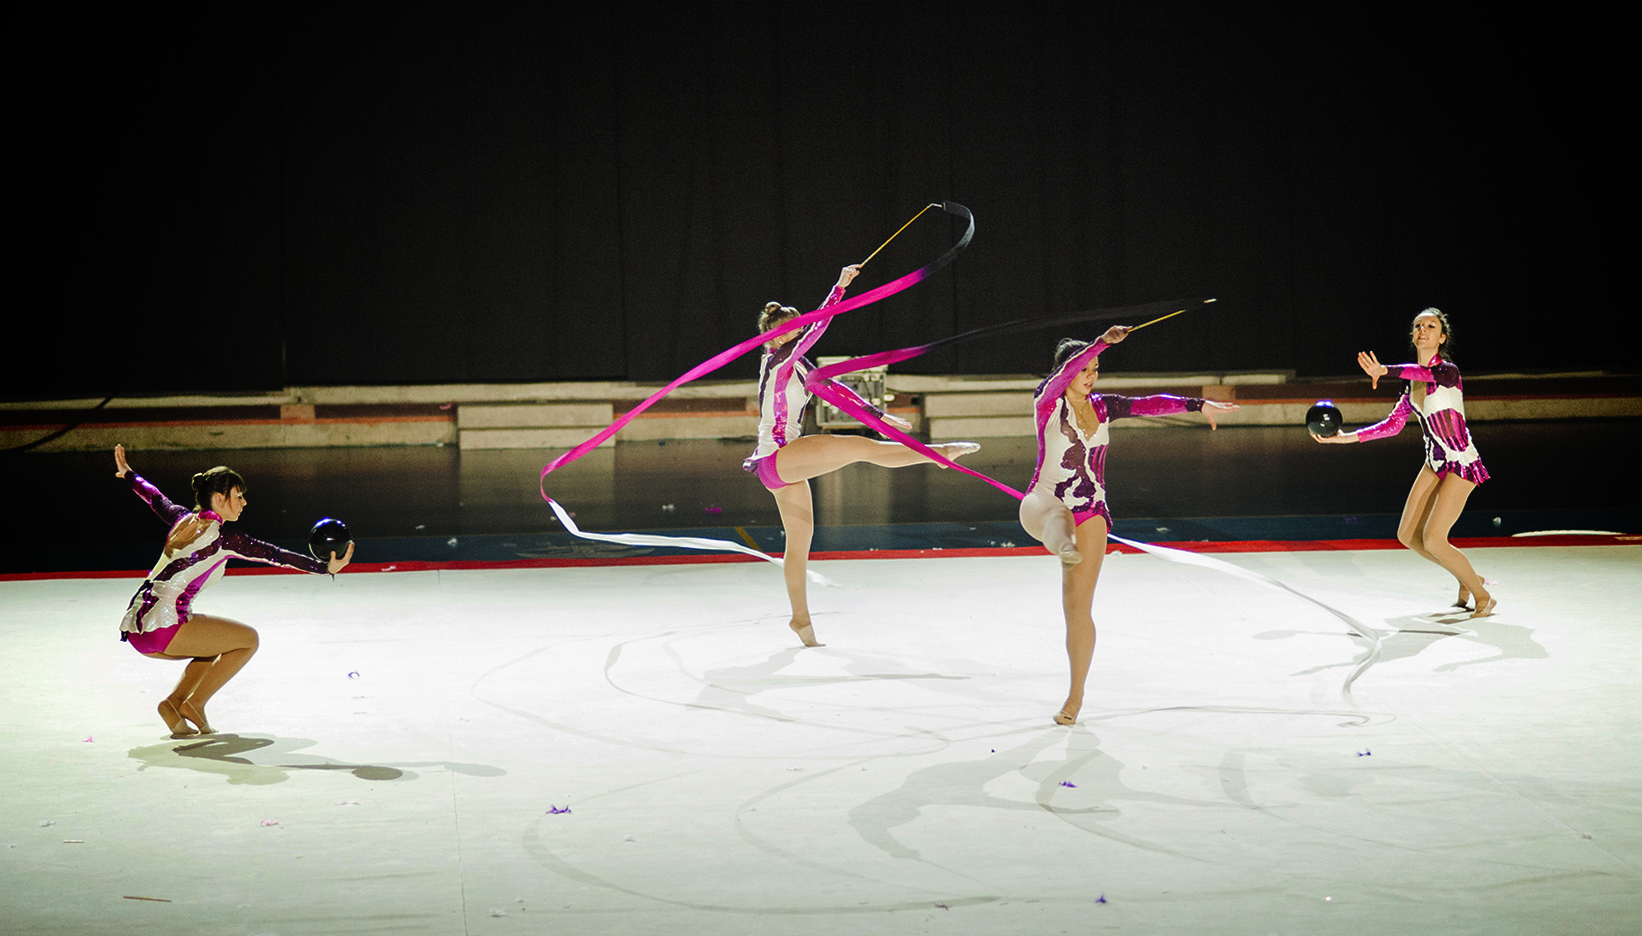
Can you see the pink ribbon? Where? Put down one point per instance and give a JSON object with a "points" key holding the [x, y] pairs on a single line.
{"points": [[718, 361]]}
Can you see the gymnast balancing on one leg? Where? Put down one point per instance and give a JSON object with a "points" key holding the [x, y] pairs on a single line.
{"points": [[1065, 505], [160, 622], [785, 460], [1432, 393]]}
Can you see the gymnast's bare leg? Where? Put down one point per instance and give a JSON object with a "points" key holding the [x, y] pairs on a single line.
{"points": [[1049, 522], [1081, 549], [1434, 504], [812, 456], [219, 649]]}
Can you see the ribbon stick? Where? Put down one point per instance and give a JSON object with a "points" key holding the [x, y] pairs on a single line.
{"points": [[896, 234], [725, 357]]}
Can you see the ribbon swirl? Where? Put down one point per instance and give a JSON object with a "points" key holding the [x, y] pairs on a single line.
{"points": [[718, 361]]}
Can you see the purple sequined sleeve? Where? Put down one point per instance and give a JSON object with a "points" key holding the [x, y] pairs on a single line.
{"points": [[1389, 426], [1051, 389], [812, 333], [1159, 404], [167, 511], [1441, 373], [246, 547]]}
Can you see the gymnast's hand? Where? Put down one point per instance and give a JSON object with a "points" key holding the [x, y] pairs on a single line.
{"points": [[1115, 334], [121, 468], [1372, 367], [1210, 407], [337, 565], [1339, 438], [848, 274]]}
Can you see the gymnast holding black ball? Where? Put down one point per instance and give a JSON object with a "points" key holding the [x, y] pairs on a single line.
{"points": [[1433, 395], [161, 623]]}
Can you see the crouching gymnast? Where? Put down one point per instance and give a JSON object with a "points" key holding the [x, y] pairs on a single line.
{"points": [[160, 622]]}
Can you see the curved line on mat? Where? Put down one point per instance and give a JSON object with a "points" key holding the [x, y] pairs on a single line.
{"points": [[1183, 557]]}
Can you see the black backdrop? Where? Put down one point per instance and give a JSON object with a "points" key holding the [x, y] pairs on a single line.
{"points": [[473, 197]]}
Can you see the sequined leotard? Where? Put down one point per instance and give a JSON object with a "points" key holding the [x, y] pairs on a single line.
{"points": [[782, 395], [166, 597], [1072, 464], [1441, 413]]}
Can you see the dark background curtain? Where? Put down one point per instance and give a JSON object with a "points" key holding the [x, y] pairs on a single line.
{"points": [[325, 197]]}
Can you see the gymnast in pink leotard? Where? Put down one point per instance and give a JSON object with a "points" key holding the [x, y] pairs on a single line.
{"points": [[1065, 505], [785, 459], [1433, 394], [160, 621]]}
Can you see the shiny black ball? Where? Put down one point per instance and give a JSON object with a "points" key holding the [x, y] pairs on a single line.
{"points": [[1324, 419], [329, 535]]}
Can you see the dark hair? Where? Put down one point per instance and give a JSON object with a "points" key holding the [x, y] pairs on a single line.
{"points": [[219, 480], [1068, 349], [774, 314], [1446, 349]]}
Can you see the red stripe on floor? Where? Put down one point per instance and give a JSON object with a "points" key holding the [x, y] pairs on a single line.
{"points": [[1244, 546]]}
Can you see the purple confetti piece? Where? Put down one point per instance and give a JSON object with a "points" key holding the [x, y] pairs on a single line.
{"points": [[943, 906], [1351, 520], [1100, 899], [556, 811], [1365, 752], [1067, 784], [270, 822], [715, 510]]}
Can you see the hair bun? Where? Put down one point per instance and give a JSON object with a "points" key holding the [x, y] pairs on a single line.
{"points": [[771, 307]]}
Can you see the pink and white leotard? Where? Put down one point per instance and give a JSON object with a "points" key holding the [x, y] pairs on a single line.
{"points": [[1448, 445], [782, 395], [165, 600], [1071, 464]]}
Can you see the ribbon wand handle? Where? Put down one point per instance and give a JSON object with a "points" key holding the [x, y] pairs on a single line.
{"points": [[1155, 321], [897, 234], [1161, 318]]}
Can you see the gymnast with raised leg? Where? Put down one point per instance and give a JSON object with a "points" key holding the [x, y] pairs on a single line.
{"points": [[1065, 505], [160, 622], [785, 460], [1432, 394]]}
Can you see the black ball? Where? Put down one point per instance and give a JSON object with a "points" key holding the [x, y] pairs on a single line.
{"points": [[329, 535], [1324, 419]]}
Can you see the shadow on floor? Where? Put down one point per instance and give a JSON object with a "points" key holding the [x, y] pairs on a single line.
{"points": [[258, 760]]}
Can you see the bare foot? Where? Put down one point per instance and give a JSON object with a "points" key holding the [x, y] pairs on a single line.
{"points": [[174, 720], [805, 633], [1068, 714], [193, 713], [1464, 600]]}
